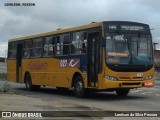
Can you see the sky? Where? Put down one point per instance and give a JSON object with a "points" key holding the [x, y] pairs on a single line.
{"points": [[49, 15]]}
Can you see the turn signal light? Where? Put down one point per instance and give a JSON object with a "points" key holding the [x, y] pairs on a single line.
{"points": [[148, 84]]}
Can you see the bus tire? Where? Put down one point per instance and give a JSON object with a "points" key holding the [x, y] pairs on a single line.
{"points": [[28, 83], [122, 92], [79, 89]]}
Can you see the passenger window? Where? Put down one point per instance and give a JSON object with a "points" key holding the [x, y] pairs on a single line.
{"points": [[59, 46], [78, 43], [62, 44], [12, 51], [66, 41], [48, 50], [37, 47], [27, 48]]}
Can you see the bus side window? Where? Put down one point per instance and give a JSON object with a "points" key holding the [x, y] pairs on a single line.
{"points": [[48, 48], [37, 47], [66, 41], [78, 43], [73, 44], [12, 51], [27, 48], [84, 43], [59, 45]]}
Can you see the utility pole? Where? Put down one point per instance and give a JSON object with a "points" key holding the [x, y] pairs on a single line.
{"points": [[5, 52]]}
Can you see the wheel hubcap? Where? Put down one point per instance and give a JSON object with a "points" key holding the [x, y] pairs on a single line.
{"points": [[27, 84], [79, 87]]}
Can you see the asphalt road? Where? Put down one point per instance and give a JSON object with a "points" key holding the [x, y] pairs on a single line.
{"points": [[144, 99]]}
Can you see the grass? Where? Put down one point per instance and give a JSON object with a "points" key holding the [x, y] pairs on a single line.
{"points": [[3, 76], [5, 86]]}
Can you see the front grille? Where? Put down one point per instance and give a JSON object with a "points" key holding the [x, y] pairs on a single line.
{"points": [[137, 77], [124, 77], [125, 84], [130, 79]]}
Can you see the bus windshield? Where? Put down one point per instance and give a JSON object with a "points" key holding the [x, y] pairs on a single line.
{"points": [[128, 49]]}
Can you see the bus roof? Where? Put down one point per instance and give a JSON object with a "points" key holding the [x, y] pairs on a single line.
{"points": [[59, 31], [87, 26]]}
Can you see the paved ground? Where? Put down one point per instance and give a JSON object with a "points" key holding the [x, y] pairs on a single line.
{"points": [[48, 99]]}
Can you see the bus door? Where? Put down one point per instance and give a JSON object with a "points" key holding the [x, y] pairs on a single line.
{"points": [[93, 58], [19, 63]]}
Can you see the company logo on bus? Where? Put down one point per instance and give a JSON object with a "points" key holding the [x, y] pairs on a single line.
{"points": [[37, 65], [73, 63]]}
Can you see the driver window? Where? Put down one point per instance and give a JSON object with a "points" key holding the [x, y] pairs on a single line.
{"points": [[109, 44], [120, 43], [143, 46]]}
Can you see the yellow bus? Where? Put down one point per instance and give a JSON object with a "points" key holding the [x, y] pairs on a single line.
{"points": [[104, 56]]}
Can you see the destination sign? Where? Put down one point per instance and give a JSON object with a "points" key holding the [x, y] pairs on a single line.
{"points": [[127, 27], [113, 27], [134, 28]]}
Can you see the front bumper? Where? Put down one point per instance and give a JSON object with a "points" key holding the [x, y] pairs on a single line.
{"points": [[107, 84]]}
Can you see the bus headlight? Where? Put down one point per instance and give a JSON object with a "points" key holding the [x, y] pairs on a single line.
{"points": [[149, 77], [110, 78]]}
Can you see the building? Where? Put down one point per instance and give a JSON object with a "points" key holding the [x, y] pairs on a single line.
{"points": [[2, 59]]}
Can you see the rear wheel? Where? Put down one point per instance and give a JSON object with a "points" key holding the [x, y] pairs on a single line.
{"points": [[79, 89], [28, 83], [122, 92]]}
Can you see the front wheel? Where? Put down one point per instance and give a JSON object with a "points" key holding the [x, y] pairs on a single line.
{"points": [[122, 92], [79, 89], [28, 83]]}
